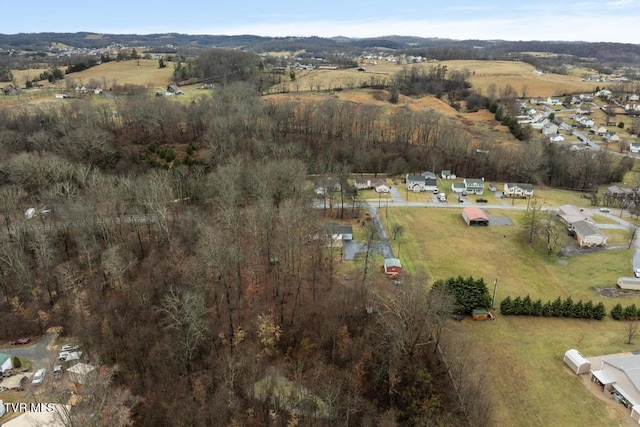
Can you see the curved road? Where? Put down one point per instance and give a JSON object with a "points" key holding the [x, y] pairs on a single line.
{"points": [[39, 352]]}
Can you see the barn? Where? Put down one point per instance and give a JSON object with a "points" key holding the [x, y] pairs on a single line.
{"points": [[475, 216], [577, 362], [392, 267]]}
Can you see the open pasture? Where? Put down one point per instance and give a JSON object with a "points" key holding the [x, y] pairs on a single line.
{"points": [[522, 355]]}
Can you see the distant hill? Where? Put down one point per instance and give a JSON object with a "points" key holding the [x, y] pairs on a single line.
{"points": [[437, 48]]}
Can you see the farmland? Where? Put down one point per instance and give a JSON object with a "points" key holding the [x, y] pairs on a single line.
{"points": [[523, 355]]}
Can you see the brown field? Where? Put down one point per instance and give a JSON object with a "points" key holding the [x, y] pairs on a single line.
{"points": [[111, 73], [484, 73]]}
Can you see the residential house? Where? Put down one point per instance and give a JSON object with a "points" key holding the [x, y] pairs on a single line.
{"points": [[474, 185], [430, 181], [540, 123], [415, 183], [537, 100], [553, 100], [378, 184], [599, 130], [611, 136], [446, 174], [634, 97], [512, 189], [619, 193], [634, 147], [458, 187], [586, 97], [555, 137], [340, 233], [570, 214], [588, 235], [584, 122], [326, 186], [392, 268], [583, 109], [550, 129]]}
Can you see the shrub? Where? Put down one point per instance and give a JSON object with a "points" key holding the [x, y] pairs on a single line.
{"points": [[16, 362]]}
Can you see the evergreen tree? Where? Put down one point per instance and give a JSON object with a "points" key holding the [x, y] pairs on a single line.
{"points": [[506, 306], [630, 312], [617, 312], [599, 312]]}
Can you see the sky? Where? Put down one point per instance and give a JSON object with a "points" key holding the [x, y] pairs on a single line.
{"points": [[568, 20]]}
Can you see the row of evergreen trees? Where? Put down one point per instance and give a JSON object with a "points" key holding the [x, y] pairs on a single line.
{"points": [[630, 312], [558, 308]]}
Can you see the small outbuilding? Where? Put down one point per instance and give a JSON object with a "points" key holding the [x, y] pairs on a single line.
{"points": [[475, 216], [632, 283], [392, 268], [577, 362], [480, 314]]}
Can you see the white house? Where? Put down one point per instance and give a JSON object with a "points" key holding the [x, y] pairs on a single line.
{"points": [[378, 184], [611, 136], [553, 100], [556, 137], [512, 189], [635, 147], [474, 185], [415, 183]]}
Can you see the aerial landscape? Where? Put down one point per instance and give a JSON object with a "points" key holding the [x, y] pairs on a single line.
{"points": [[422, 217]]}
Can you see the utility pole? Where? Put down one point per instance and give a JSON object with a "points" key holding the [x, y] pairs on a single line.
{"points": [[495, 288]]}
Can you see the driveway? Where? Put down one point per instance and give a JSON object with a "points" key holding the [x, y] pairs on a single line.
{"points": [[38, 353]]}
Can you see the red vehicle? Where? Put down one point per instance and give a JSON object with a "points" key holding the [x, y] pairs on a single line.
{"points": [[21, 341]]}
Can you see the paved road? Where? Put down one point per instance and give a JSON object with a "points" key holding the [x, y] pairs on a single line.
{"points": [[38, 353]]}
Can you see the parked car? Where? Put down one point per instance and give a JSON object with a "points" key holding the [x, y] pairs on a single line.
{"points": [[481, 200], [21, 341], [38, 377], [605, 210], [636, 272], [57, 372]]}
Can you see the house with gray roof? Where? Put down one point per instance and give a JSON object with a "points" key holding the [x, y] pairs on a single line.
{"points": [[474, 185], [512, 189]]}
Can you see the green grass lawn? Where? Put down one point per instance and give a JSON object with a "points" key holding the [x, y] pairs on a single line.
{"points": [[523, 355]]}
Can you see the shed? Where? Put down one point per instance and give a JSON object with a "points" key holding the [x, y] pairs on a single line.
{"points": [[629, 283], [577, 362], [480, 314], [392, 267], [475, 216]]}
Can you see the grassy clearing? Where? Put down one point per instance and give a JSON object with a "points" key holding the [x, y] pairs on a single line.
{"points": [[523, 355]]}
